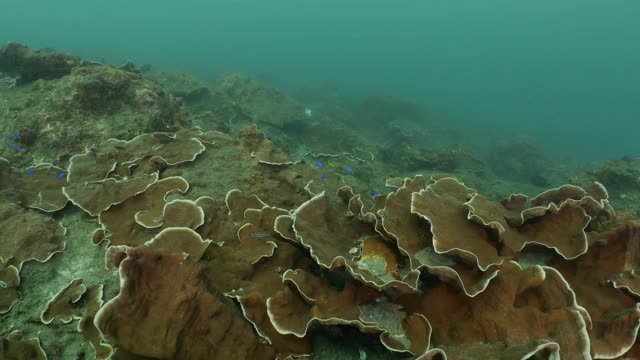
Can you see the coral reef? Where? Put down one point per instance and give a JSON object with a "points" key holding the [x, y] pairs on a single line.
{"points": [[225, 246], [193, 260]]}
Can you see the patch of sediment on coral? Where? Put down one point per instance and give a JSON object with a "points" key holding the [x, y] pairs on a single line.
{"points": [[190, 89]]}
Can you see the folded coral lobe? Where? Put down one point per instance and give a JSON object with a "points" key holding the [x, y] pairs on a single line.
{"points": [[164, 311]]}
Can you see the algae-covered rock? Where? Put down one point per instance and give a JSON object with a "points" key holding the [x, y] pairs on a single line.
{"points": [[233, 99], [32, 64], [522, 161], [238, 97], [415, 158], [191, 89], [57, 117], [622, 174], [621, 178]]}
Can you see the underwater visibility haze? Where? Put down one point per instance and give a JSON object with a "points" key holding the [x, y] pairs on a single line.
{"points": [[561, 72], [327, 180]]}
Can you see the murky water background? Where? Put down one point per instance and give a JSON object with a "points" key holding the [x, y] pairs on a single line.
{"points": [[560, 73]]}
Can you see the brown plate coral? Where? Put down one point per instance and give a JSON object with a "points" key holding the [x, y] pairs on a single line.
{"points": [[435, 271]]}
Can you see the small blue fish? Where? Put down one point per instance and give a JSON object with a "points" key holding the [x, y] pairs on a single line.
{"points": [[375, 193], [324, 176], [18, 148], [10, 146], [60, 176], [10, 137], [30, 171], [319, 164], [350, 170], [17, 134]]}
